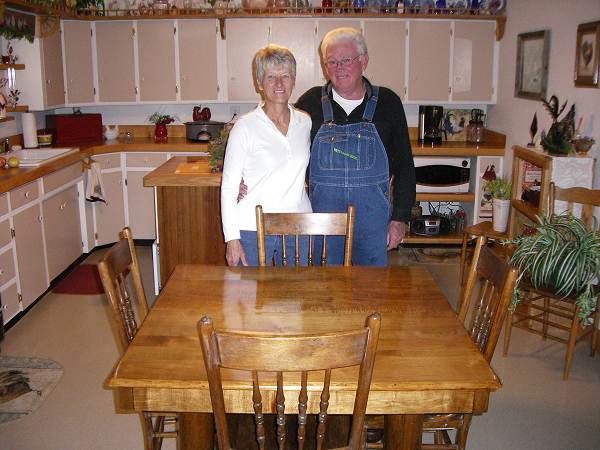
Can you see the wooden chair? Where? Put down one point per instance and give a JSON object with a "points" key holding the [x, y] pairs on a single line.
{"points": [[541, 310], [311, 224], [257, 352], [118, 264], [487, 308]]}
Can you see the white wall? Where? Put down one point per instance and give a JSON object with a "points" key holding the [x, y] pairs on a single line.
{"points": [[511, 115]]}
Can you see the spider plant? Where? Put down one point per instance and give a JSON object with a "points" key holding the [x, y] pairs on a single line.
{"points": [[560, 256]]}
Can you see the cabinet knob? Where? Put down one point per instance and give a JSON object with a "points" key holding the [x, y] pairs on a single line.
{"points": [[62, 206], [1, 271], [27, 194], [5, 307]]}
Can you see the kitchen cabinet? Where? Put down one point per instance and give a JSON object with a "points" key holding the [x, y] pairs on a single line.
{"points": [[323, 27], [387, 42], [244, 38], [10, 301], [428, 61], [52, 69], [473, 61], [197, 43], [79, 68], [156, 56], [110, 216], [31, 260], [62, 230], [115, 54]]}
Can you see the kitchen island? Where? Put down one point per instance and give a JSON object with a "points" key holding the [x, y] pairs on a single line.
{"points": [[188, 214]]}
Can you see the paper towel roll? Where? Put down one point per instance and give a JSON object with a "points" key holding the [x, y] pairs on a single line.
{"points": [[29, 130]]}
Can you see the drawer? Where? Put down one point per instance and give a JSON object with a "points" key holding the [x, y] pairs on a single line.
{"points": [[5, 236], [24, 194], [61, 177], [151, 160], [7, 266], [110, 161], [3, 204]]}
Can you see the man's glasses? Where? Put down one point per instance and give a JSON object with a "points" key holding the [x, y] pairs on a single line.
{"points": [[344, 62]]}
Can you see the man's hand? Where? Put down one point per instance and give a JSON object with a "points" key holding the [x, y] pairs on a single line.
{"points": [[395, 234], [242, 192], [234, 253]]}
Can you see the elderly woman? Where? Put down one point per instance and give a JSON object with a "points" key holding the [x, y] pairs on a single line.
{"points": [[269, 149]]}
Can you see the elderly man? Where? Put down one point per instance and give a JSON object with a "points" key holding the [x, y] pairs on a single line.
{"points": [[359, 140]]}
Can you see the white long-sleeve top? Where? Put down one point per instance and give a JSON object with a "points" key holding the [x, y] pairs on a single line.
{"points": [[272, 165]]}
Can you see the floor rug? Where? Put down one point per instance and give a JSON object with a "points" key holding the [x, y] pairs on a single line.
{"points": [[24, 384], [83, 280], [435, 255]]}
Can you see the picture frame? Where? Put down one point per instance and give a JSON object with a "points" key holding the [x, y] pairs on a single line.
{"points": [[533, 50], [587, 55]]}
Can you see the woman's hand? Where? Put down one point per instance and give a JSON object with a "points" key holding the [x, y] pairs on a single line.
{"points": [[234, 253]]}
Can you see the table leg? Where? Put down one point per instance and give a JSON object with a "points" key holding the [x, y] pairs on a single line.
{"points": [[403, 431], [195, 431]]}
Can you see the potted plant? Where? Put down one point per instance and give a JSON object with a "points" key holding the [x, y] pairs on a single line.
{"points": [[216, 148], [500, 190], [559, 255], [559, 136], [160, 122]]}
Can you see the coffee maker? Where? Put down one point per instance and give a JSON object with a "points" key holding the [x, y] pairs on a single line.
{"points": [[430, 124]]}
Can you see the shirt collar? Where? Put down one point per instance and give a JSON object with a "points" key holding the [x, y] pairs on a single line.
{"points": [[366, 83]]}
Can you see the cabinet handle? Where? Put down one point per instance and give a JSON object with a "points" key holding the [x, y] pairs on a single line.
{"points": [[62, 206], [27, 194], [1, 271], [4, 307], [40, 219]]}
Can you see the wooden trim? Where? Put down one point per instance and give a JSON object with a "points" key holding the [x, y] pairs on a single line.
{"points": [[445, 197], [6, 119], [12, 66], [18, 108]]}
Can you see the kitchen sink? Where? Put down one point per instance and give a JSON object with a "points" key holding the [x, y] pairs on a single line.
{"points": [[37, 157]]}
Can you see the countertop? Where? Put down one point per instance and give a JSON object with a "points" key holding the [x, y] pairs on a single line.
{"points": [[165, 175]]}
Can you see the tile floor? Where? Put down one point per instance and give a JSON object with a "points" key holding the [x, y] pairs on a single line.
{"points": [[534, 410]]}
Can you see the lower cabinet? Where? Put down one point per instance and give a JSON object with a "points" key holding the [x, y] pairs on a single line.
{"points": [[62, 230], [140, 202], [110, 216], [10, 301], [30, 253]]}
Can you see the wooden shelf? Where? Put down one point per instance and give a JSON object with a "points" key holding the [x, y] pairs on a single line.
{"points": [[417, 239], [12, 66], [445, 197], [18, 108], [6, 119]]}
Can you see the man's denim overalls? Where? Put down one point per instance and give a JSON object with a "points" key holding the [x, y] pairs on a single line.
{"points": [[349, 166]]}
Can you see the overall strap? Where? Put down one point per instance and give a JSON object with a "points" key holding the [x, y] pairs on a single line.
{"points": [[371, 105], [326, 105]]}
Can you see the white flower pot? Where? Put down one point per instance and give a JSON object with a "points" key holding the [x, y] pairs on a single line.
{"points": [[500, 210]]}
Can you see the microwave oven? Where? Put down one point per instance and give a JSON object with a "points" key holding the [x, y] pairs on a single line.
{"points": [[441, 174]]}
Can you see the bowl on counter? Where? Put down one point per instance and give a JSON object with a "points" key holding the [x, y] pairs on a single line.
{"points": [[44, 139]]}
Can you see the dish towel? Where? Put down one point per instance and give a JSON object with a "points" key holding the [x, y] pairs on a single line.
{"points": [[94, 189]]}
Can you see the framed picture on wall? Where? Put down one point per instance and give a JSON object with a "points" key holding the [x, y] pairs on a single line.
{"points": [[587, 59], [532, 64]]}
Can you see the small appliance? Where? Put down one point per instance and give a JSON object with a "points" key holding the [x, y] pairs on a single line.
{"points": [[442, 174], [203, 130], [425, 226], [74, 129], [430, 124]]}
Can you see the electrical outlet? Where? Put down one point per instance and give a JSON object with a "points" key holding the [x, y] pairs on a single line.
{"points": [[234, 109]]}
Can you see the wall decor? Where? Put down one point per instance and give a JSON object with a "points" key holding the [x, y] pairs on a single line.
{"points": [[587, 55], [533, 50]]}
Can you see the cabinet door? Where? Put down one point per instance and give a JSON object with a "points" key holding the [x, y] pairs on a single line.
{"points": [[10, 302], [299, 36], [473, 61], [62, 230], [429, 60], [198, 59], [52, 68], [116, 71], [323, 27], [110, 217], [78, 61], [156, 53], [386, 40], [30, 253], [141, 206], [244, 38]]}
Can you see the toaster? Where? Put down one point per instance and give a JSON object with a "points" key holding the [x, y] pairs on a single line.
{"points": [[75, 129]]}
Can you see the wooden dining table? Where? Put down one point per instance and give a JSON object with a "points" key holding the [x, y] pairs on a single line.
{"points": [[425, 362]]}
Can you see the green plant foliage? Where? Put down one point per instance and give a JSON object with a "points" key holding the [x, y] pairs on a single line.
{"points": [[162, 119], [498, 188], [561, 257], [216, 148]]}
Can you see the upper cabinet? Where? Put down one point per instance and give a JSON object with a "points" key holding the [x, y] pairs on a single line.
{"points": [[116, 68], [52, 68], [79, 67], [428, 60], [156, 56], [197, 43]]}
